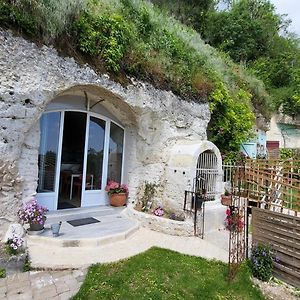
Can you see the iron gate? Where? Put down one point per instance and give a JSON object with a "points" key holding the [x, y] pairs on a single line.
{"points": [[207, 174], [204, 189]]}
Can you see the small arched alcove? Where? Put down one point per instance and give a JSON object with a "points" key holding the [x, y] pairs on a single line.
{"points": [[192, 165]]}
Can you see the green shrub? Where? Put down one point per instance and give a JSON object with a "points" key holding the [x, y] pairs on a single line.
{"points": [[232, 119], [17, 17], [140, 13], [286, 153], [46, 19], [106, 36], [27, 264], [2, 273], [261, 262]]}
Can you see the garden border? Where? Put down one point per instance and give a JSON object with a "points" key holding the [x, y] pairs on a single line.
{"points": [[160, 224]]}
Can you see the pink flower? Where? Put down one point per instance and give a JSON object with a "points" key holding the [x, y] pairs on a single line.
{"points": [[32, 212], [159, 211], [113, 187]]}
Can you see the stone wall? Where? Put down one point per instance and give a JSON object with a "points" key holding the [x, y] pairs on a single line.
{"points": [[160, 224], [31, 77]]}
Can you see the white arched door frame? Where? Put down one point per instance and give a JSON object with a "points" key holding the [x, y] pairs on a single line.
{"points": [[88, 197]]}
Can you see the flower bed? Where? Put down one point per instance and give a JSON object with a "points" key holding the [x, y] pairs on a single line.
{"points": [[165, 225], [11, 263]]}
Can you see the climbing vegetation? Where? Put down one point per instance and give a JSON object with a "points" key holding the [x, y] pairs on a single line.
{"points": [[234, 120]]}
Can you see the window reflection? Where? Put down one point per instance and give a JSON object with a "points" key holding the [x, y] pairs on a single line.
{"points": [[115, 155], [95, 154], [49, 125]]}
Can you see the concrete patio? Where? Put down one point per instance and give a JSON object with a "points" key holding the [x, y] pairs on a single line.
{"points": [[112, 226], [115, 237]]}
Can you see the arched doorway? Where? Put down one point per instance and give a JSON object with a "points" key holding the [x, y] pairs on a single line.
{"points": [[207, 174], [80, 150]]}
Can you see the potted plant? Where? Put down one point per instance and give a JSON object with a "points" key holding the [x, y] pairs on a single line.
{"points": [[33, 214], [117, 192], [226, 198]]}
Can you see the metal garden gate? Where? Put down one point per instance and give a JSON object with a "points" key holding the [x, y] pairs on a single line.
{"points": [[204, 189], [207, 174]]}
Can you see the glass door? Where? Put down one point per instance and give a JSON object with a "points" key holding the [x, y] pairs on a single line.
{"points": [[48, 158], [72, 160], [79, 152], [95, 166]]}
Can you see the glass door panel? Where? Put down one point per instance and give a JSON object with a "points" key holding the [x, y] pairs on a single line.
{"points": [[95, 154], [72, 155], [48, 152], [115, 155]]}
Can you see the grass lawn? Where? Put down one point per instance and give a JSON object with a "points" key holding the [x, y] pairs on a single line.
{"points": [[164, 274]]}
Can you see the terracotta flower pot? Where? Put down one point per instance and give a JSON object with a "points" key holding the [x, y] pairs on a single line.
{"points": [[226, 200], [117, 199]]}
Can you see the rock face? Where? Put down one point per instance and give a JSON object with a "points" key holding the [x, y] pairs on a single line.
{"points": [[31, 77]]}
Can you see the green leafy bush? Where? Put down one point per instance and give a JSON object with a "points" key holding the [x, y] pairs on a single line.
{"points": [[27, 265], [106, 36], [261, 262], [286, 153], [232, 119], [15, 16], [2, 273], [46, 19]]}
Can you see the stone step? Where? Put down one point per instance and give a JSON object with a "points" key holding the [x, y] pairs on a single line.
{"points": [[112, 227], [80, 213], [52, 242]]}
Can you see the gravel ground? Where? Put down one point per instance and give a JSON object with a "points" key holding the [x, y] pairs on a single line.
{"points": [[277, 290]]}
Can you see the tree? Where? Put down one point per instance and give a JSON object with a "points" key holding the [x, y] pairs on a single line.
{"points": [[251, 32], [246, 30]]}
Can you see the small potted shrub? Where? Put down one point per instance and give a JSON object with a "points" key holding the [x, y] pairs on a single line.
{"points": [[117, 192], [226, 198], [33, 214]]}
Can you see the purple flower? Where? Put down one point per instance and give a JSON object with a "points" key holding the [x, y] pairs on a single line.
{"points": [[15, 242], [32, 212], [159, 211]]}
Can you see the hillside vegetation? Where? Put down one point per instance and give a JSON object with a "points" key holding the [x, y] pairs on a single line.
{"points": [[135, 38], [252, 33]]}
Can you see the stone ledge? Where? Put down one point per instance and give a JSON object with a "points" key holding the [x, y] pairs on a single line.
{"points": [[172, 227], [83, 242]]}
